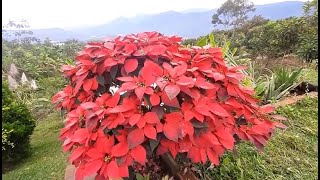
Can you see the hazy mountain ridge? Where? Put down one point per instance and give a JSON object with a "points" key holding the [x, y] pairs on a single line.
{"points": [[188, 23]]}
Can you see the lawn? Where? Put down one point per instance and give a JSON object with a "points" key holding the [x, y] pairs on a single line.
{"points": [[47, 160], [291, 154]]}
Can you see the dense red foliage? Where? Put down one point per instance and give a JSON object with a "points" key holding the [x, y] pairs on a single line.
{"points": [[169, 98]]}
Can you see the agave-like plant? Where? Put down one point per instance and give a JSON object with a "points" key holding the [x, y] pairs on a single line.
{"points": [[278, 84]]}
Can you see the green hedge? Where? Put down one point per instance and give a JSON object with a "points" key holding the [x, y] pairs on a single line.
{"points": [[18, 124]]}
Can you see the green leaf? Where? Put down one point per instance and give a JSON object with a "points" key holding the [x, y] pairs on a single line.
{"points": [[225, 48], [139, 176], [153, 144], [202, 42], [226, 161], [43, 99], [234, 51], [211, 38]]}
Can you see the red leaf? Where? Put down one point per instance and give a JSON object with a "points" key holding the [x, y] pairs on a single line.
{"points": [[155, 49], [126, 79], [130, 65], [89, 105], [150, 132], [151, 118], [225, 138], [109, 45], [110, 62], [134, 119], [267, 109], [187, 128], [203, 109], [113, 170], [135, 138], [159, 127], [113, 101], [217, 76], [280, 118], [188, 115], [87, 84], [79, 174], [215, 108], [120, 108], [184, 145], [260, 139], [171, 131], [173, 103], [120, 149], [95, 84], [194, 154], [139, 154], [237, 68], [185, 81], [213, 157], [141, 123], [80, 135], [223, 94], [76, 153], [140, 92], [130, 48], [260, 129], [92, 167], [202, 83], [280, 125], [203, 155], [161, 82], [172, 91], [236, 76], [94, 153], [123, 171], [154, 99]]}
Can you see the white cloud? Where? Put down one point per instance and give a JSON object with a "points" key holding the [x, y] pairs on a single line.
{"points": [[71, 13]]}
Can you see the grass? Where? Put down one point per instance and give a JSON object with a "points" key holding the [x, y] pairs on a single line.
{"points": [[290, 154], [47, 160], [309, 75]]}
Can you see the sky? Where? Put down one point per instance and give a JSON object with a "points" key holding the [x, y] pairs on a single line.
{"points": [[78, 13]]}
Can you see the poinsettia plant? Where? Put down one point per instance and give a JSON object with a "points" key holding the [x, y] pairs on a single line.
{"points": [[144, 95]]}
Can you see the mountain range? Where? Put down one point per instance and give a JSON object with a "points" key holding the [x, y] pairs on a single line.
{"points": [[188, 24]]}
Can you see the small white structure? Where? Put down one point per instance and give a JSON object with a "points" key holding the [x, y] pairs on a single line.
{"points": [[24, 79], [12, 82], [33, 84], [13, 71]]}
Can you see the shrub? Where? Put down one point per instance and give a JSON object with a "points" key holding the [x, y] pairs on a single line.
{"points": [[18, 125], [142, 95], [278, 84], [5, 141], [7, 96]]}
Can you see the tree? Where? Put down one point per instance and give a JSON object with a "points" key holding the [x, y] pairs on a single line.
{"points": [[20, 30], [233, 13], [308, 40], [311, 8]]}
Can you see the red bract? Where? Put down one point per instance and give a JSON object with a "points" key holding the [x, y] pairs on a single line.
{"points": [[145, 94]]}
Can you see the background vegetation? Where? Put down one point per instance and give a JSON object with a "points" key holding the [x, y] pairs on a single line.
{"points": [[279, 55]]}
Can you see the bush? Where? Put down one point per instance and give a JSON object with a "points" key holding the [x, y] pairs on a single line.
{"points": [[276, 86], [18, 125], [143, 95]]}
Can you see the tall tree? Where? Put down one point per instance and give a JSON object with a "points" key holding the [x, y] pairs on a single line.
{"points": [[233, 13], [20, 30]]}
